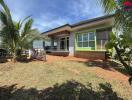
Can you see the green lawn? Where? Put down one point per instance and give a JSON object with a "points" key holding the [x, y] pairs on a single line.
{"points": [[39, 75]]}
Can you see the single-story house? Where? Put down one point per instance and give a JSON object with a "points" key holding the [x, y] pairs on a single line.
{"points": [[85, 39]]}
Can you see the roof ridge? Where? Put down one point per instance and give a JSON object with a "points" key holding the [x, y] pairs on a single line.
{"points": [[92, 19], [82, 22]]}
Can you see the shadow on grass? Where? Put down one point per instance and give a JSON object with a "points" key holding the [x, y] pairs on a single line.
{"points": [[103, 64], [71, 90], [107, 65], [31, 60]]}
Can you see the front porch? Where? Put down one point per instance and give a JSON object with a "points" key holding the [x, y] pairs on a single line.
{"points": [[59, 43]]}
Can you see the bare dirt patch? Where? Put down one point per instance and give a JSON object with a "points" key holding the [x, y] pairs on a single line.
{"points": [[99, 67], [109, 75]]}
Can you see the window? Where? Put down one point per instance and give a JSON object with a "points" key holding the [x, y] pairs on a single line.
{"points": [[85, 37], [86, 40], [91, 36], [80, 37], [62, 43], [91, 40], [80, 40], [102, 37]]}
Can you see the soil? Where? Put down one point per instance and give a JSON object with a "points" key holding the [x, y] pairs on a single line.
{"points": [[103, 71]]}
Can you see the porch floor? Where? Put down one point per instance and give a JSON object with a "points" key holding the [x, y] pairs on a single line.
{"points": [[58, 53]]}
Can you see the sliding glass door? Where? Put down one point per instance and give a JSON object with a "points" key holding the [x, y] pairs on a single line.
{"points": [[64, 43]]}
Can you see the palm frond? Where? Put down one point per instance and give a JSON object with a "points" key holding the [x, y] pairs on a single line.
{"points": [[22, 22], [27, 27], [3, 18], [7, 11], [4, 6], [108, 5]]}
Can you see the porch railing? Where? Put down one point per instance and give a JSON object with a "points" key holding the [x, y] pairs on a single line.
{"points": [[101, 44]]}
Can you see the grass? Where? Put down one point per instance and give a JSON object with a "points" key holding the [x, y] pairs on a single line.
{"points": [[41, 75]]}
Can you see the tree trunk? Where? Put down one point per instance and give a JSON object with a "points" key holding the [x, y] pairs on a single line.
{"points": [[14, 57], [120, 58], [128, 68]]}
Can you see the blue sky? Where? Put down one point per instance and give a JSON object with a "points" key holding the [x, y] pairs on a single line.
{"points": [[48, 14]]}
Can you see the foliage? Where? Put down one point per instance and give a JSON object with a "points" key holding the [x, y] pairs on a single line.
{"points": [[123, 47], [123, 18], [16, 35], [123, 22]]}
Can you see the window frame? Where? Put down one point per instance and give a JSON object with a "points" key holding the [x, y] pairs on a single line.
{"points": [[88, 40], [80, 41]]}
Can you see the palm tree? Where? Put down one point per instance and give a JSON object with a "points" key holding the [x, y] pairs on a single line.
{"points": [[123, 18], [27, 35], [123, 23], [16, 35]]}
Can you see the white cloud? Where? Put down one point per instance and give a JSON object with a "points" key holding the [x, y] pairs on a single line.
{"points": [[49, 21], [45, 21], [86, 8]]}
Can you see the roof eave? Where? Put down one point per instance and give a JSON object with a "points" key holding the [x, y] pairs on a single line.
{"points": [[68, 27]]}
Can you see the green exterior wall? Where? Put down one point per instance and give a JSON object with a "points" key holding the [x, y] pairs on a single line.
{"points": [[84, 48], [88, 48]]}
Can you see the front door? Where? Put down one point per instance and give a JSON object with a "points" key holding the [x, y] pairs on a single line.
{"points": [[67, 43], [64, 43]]}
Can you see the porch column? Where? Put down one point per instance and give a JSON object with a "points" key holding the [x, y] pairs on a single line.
{"points": [[58, 44], [71, 44], [44, 45], [52, 42]]}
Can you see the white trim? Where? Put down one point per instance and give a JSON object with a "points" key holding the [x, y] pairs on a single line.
{"points": [[82, 35], [66, 48]]}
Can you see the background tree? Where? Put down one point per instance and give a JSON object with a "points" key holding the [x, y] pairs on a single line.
{"points": [[16, 35]]}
